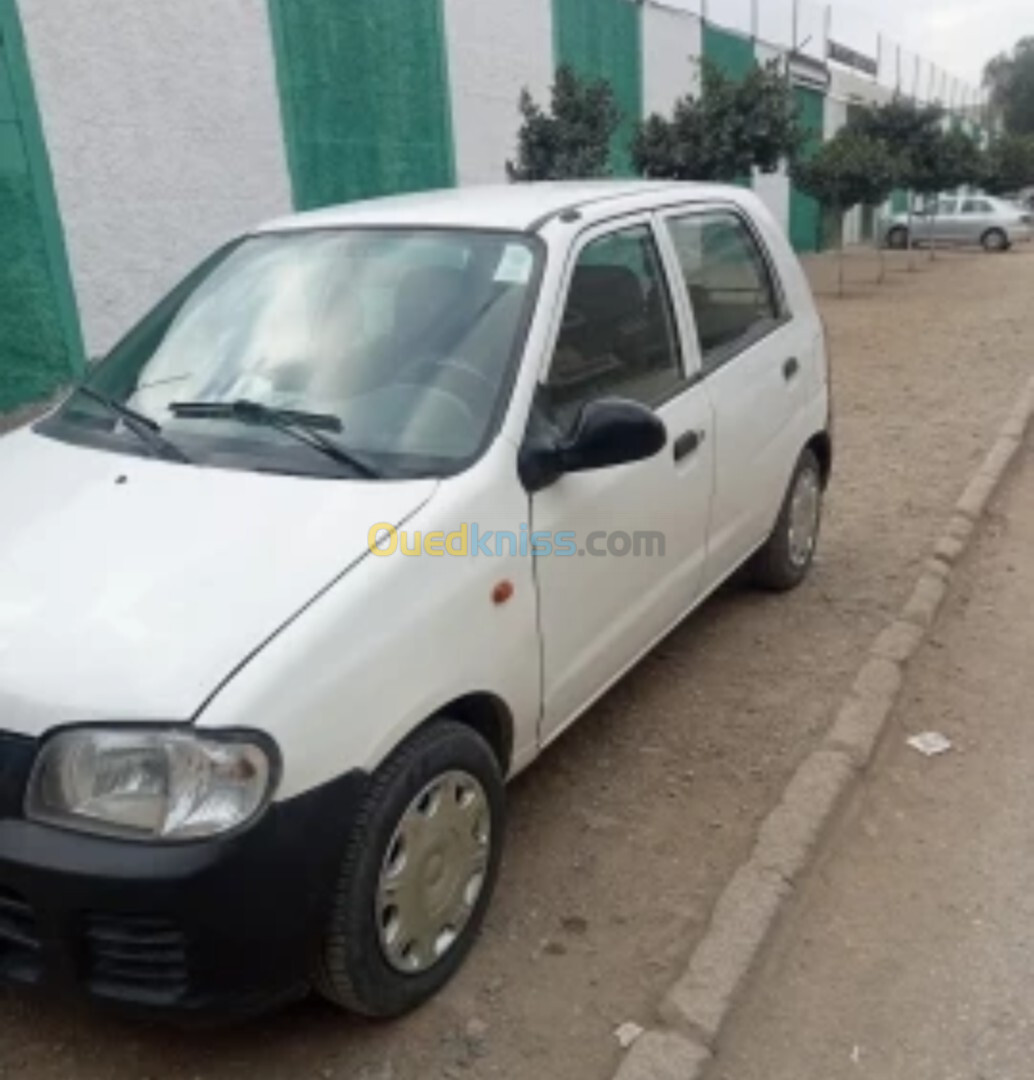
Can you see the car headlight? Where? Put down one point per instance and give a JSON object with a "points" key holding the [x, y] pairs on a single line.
{"points": [[149, 784]]}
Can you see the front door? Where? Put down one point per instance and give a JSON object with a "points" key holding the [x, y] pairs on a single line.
{"points": [[635, 534]]}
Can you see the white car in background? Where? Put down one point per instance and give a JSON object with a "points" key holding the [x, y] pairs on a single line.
{"points": [[248, 745], [994, 224]]}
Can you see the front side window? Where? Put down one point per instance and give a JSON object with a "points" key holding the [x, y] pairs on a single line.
{"points": [[401, 342], [617, 336], [728, 281], [947, 207]]}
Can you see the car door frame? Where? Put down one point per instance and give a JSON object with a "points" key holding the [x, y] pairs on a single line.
{"points": [[690, 381]]}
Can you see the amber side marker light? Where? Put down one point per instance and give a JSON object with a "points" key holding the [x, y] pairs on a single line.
{"points": [[502, 592]]}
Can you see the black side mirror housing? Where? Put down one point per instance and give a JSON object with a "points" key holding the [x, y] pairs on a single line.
{"points": [[609, 431]]}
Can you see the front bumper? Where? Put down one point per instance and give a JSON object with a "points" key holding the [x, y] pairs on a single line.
{"points": [[210, 929]]}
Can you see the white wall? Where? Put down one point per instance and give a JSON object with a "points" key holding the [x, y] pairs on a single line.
{"points": [[773, 189], [163, 126], [496, 48], [672, 46]]}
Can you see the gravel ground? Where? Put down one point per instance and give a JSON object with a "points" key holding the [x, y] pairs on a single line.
{"points": [[907, 952], [625, 832]]}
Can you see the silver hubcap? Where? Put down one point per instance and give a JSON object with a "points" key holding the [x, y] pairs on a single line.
{"points": [[804, 517], [433, 872]]}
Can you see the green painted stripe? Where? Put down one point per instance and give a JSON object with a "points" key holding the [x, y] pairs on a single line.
{"points": [[40, 337], [805, 213], [731, 52], [364, 95], [603, 39]]}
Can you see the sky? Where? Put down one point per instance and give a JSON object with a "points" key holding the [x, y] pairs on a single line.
{"points": [[959, 35]]}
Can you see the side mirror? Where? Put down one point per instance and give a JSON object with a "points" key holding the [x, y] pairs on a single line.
{"points": [[609, 431]]}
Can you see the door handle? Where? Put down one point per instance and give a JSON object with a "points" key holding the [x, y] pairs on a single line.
{"points": [[687, 443], [790, 368]]}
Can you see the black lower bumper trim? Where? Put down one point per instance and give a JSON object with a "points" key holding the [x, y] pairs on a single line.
{"points": [[215, 928]]}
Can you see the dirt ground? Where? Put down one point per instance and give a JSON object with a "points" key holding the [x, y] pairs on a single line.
{"points": [[625, 832], [906, 954]]}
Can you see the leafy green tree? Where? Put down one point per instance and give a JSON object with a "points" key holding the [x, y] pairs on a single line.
{"points": [[943, 161], [911, 133], [1009, 164], [731, 127], [851, 169], [572, 140], [1010, 79]]}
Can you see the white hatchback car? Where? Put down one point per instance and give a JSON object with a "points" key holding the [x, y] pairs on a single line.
{"points": [[347, 530]]}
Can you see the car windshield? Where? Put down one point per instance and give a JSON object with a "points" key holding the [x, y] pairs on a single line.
{"points": [[405, 340]]}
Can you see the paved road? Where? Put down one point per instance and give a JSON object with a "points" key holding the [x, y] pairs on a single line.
{"points": [[910, 953]]}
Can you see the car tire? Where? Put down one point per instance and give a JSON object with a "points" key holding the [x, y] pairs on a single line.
{"points": [[363, 965], [897, 238], [784, 561], [995, 240]]}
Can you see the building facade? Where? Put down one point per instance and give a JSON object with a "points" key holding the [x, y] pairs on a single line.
{"points": [[136, 135]]}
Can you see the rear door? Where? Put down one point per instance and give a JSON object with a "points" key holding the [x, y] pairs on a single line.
{"points": [[754, 356]]}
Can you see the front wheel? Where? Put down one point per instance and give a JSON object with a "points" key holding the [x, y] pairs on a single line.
{"points": [[994, 240], [417, 874], [784, 561]]}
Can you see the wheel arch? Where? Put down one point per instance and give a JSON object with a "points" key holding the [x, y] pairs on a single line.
{"points": [[485, 713], [821, 445]]}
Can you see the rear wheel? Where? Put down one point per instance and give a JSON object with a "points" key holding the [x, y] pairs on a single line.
{"points": [[897, 238], [995, 240], [417, 874], [784, 561]]}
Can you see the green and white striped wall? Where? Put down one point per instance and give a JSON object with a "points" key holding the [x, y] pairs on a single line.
{"points": [[135, 135]]}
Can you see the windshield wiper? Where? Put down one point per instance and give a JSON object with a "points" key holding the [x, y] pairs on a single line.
{"points": [[148, 431], [305, 427]]}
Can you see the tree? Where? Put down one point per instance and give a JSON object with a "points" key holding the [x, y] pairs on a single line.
{"points": [[572, 140], [728, 129], [1009, 164], [1010, 79], [908, 131], [943, 161], [849, 170]]}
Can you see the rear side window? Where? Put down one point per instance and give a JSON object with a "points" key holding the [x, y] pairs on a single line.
{"points": [[729, 282], [977, 206]]}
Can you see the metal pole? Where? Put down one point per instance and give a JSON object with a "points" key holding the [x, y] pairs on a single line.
{"points": [[703, 10], [915, 81], [897, 82], [754, 19], [796, 19], [827, 29]]}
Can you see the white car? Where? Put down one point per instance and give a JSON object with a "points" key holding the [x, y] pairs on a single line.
{"points": [[340, 537], [995, 224]]}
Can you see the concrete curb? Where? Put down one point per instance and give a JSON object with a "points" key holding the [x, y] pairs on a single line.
{"points": [[698, 1004]]}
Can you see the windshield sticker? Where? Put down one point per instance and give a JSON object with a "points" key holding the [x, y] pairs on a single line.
{"points": [[515, 266]]}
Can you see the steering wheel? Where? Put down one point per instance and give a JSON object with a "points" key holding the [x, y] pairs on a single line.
{"points": [[454, 400]]}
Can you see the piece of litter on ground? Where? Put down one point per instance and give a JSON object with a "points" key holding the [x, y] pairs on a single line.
{"points": [[856, 1056], [930, 743], [627, 1033]]}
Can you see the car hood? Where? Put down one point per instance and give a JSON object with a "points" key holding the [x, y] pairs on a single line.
{"points": [[131, 588]]}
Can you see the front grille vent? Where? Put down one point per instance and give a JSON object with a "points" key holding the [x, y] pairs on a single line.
{"points": [[136, 956], [19, 938]]}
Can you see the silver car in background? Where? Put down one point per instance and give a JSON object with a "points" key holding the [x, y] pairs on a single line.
{"points": [[995, 224]]}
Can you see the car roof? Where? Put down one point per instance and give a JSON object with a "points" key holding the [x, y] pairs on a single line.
{"points": [[520, 207]]}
